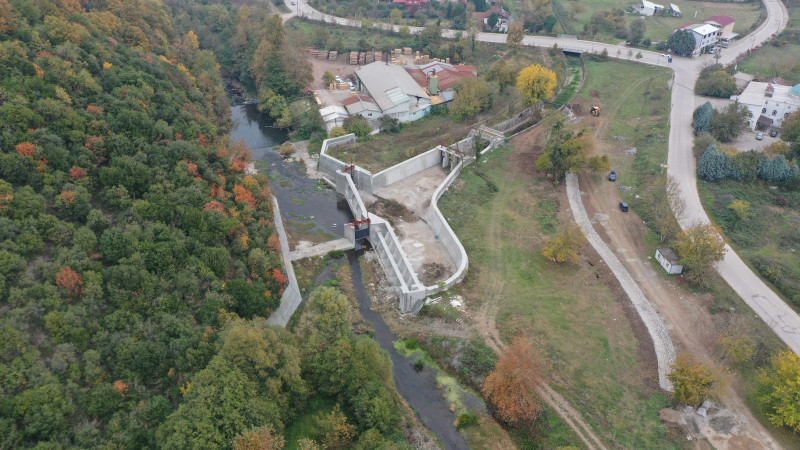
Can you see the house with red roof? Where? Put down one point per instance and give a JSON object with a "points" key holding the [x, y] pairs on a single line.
{"points": [[411, 3], [439, 79], [724, 24], [502, 18]]}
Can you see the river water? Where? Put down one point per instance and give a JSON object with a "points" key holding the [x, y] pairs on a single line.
{"points": [[307, 206]]}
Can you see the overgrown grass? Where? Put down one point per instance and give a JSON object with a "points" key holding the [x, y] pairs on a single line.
{"points": [[573, 81], [555, 305], [781, 57]]}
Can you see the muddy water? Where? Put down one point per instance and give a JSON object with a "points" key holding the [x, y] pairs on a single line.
{"points": [[309, 208]]}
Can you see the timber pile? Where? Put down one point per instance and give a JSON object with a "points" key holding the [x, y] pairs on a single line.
{"points": [[322, 54], [353, 58], [333, 55]]}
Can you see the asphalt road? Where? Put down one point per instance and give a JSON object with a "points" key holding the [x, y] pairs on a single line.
{"points": [[680, 161]]}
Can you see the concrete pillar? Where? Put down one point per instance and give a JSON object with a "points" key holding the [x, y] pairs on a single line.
{"points": [[445, 159]]}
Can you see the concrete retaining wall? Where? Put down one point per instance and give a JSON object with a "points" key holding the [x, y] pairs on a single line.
{"points": [[446, 235], [291, 298], [390, 252], [405, 169]]}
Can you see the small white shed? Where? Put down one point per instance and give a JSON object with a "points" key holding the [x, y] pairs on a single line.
{"points": [[648, 8], [669, 260]]}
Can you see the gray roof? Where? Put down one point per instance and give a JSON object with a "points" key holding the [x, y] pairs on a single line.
{"points": [[669, 255], [389, 85]]}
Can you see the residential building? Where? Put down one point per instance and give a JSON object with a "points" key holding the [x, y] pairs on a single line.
{"points": [[705, 36], [333, 116], [724, 24], [362, 105], [412, 4], [394, 91], [439, 79], [502, 19], [769, 103], [648, 8]]}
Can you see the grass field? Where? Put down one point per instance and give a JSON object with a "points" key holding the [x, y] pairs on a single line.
{"points": [[579, 13], [781, 57], [555, 305]]}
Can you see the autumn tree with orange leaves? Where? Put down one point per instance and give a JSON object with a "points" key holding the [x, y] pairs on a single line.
{"points": [[70, 280], [511, 387]]}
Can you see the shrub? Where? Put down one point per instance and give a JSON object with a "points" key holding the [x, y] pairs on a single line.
{"points": [[702, 117], [357, 125], [715, 82], [713, 165], [465, 420]]}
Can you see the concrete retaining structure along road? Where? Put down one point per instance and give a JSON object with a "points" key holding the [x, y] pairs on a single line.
{"points": [[665, 351]]}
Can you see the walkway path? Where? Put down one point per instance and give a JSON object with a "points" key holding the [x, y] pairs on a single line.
{"points": [[320, 249], [665, 351], [680, 162]]}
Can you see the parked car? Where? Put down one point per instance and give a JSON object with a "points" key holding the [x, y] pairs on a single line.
{"points": [[712, 50], [338, 79], [623, 206], [352, 86], [773, 133], [612, 176], [760, 136]]}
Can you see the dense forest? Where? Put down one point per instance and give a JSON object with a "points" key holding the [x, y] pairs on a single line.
{"points": [[138, 258]]}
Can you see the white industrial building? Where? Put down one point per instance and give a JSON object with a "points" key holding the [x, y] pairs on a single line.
{"points": [[769, 103], [647, 8], [394, 91]]}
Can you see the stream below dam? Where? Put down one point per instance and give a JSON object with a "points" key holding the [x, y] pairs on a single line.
{"points": [[309, 209]]}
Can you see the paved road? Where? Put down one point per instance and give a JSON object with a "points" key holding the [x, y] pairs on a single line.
{"points": [[680, 162]]}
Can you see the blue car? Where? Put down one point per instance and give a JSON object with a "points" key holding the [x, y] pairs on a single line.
{"points": [[612, 176]]}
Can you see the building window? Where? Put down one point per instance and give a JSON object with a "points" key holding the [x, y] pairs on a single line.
{"points": [[763, 110], [774, 112]]}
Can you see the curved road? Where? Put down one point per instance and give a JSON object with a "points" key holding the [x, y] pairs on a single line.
{"points": [[680, 162]]}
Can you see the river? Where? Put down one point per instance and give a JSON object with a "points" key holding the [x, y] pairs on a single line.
{"points": [[319, 209]]}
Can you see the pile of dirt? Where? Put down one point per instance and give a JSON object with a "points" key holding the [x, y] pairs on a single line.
{"points": [[577, 108], [392, 210], [594, 93], [431, 273]]}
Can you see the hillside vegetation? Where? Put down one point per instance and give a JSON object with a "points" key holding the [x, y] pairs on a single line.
{"points": [[138, 259]]}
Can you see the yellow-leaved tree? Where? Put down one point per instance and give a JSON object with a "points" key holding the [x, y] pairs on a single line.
{"points": [[693, 381], [779, 390], [536, 83], [564, 246], [699, 247]]}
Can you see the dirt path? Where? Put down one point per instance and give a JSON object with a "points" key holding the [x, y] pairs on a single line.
{"points": [[487, 326], [691, 325]]}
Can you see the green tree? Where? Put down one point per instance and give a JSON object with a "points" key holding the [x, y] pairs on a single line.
{"points": [[698, 248], [564, 152], [515, 35], [715, 82], [636, 31], [730, 122], [703, 117], [328, 77], [681, 42], [779, 390], [713, 165], [473, 95], [502, 74], [358, 125], [396, 15]]}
